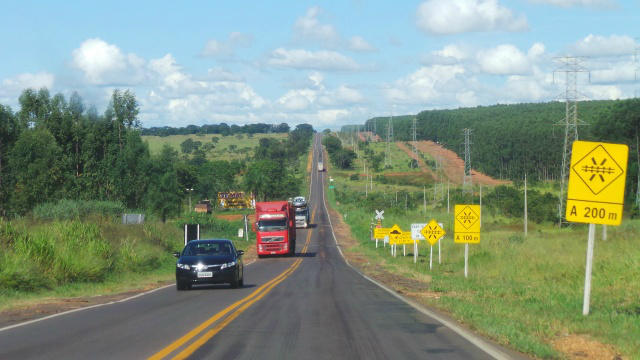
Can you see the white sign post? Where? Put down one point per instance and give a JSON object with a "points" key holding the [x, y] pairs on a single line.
{"points": [[439, 242], [416, 235]]}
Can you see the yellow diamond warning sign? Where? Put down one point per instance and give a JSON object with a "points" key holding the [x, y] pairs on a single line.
{"points": [[432, 232], [467, 224], [467, 218], [596, 183], [394, 233]]}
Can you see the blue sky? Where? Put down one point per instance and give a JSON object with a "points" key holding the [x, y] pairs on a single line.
{"points": [[326, 63]]}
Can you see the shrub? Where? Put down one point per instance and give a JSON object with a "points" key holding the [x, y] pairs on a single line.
{"points": [[77, 209]]}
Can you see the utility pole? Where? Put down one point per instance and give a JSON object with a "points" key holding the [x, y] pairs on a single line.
{"points": [[467, 185], [571, 68]]}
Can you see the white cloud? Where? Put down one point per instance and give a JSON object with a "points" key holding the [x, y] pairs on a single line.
{"points": [[219, 48], [315, 60], [449, 55], [103, 63], [308, 29], [459, 16], [604, 92], [614, 72], [504, 59], [359, 44], [596, 4], [12, 87], [600, 46], [27, 80], [428, 85]]}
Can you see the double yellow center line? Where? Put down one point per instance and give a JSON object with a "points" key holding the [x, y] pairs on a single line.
{"points": [[239, 307]]}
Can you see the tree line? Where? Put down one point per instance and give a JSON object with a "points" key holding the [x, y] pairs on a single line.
{"points": [[222, 129], [54, 148]]}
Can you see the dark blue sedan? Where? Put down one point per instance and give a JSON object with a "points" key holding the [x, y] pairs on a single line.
{"points": [[213, 261]]}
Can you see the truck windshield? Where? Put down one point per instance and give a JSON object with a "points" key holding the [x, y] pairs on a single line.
{"points": [[301, 212], [272, 225]]}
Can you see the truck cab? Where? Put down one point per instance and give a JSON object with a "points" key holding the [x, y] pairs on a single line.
{"points": [[275, 228]]}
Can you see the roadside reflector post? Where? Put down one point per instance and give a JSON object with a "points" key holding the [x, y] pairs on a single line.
{"points": [[587, 276], [415, 251]]}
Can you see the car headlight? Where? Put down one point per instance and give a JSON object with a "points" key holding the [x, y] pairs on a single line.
{"points": [[224, 266], [183, 266]]}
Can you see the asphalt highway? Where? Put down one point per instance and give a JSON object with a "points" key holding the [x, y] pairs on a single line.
{"points": [[311, 306]]}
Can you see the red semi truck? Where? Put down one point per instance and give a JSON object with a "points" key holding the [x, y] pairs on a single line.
{"points": [[275, 228]]}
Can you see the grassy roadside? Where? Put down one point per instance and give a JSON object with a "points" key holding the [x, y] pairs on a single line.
{"points": [[524, 292], [45, 260]]}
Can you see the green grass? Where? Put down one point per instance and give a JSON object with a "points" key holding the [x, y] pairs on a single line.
{"points": [[524, 291], [245, 145], [44, 259]]}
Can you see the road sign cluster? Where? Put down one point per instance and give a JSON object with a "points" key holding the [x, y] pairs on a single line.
{"points": [[595, 195]]}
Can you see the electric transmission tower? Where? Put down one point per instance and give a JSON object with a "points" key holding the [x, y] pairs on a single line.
{"points": [[467, 185], [571, 68], [414, 125], [387, 158]]}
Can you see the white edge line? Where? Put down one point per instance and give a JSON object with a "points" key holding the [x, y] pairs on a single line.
{"points": [[490, 350], [82, 308]]}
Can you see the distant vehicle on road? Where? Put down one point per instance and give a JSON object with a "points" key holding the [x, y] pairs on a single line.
{"points": [[212, 261], [320, 166], [302, 211]]}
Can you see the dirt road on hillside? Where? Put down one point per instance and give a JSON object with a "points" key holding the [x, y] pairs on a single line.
{"points": [[452, 164]]}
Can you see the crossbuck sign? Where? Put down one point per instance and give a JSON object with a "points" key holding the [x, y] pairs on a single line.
{"points": [[379, 215]]}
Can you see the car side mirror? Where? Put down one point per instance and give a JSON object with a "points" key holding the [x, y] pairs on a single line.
{"points": [[176, 254], [240, 252]]}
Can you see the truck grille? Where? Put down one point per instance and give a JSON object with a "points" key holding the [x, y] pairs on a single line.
{"points": [[272, 239], [273, 247]]}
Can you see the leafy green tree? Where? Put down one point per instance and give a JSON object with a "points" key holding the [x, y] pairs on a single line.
{"points": [[343, 158], [270, 180], [163, 197], [35, 165]]}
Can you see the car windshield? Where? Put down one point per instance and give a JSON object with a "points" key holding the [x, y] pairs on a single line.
{"points": [[207, 248], [272, 225]]}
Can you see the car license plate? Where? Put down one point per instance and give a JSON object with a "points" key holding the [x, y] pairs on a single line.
{"points": [[203, 274]]}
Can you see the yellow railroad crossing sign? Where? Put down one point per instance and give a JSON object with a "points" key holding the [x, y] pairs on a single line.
{"points": [[393, 233], [596, 182], [467, 224], [433, 232], [380, 233]]}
